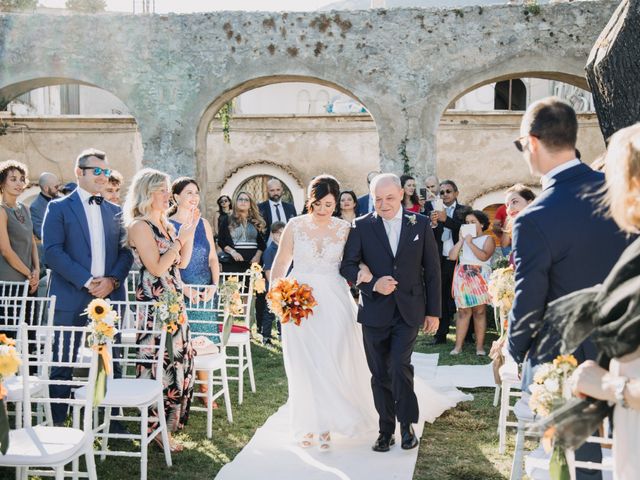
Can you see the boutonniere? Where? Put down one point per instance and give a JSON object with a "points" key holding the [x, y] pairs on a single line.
{"points": [[411, 219]]}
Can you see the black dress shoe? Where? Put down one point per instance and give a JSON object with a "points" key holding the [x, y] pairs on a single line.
{"points": [[409, 439], [384, 442], [437, 341]]}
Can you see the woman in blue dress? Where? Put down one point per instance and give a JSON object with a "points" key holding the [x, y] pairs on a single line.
{"points": [[203, 269]]}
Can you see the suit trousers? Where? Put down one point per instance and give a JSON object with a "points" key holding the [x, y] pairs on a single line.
{"points": [[388, 350], [447, 268]]}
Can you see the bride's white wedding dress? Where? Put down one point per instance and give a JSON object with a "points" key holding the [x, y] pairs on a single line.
{"points": [[328, 377]]}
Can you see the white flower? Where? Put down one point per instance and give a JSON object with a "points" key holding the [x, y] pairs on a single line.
{"points": [[411, 218], [552, 385]]}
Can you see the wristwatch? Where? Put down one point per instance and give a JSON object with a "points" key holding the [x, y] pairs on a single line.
{"points": [[116, 283], [620, 385]]}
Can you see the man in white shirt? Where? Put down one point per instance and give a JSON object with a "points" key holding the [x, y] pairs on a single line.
{"points": [[274, 209], [82, 237]]}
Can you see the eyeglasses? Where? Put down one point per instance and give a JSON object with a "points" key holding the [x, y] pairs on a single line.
{"points": [[243, 200], [521, 145], [97, 171], [443, 192]]}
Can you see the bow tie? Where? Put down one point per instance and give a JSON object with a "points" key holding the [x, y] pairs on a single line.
{"points": [[97, 199]]}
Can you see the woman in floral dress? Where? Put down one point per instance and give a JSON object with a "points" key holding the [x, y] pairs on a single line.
{"points": [[162, 252]]}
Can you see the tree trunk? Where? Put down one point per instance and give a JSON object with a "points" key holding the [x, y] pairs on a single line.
{"points": [[613, 70]]}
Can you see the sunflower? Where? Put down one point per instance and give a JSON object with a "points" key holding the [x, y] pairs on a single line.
{"points": [[256, 268], [175, 308], [9, 362], [98, 309]]}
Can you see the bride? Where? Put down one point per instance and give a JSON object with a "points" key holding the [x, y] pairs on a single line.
{"points": [[328, 377]]}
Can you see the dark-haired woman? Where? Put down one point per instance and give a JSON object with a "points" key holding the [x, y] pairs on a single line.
{"points": [[225, 206], [242, 234], [347, 206], [411, 200], [470, 280]]}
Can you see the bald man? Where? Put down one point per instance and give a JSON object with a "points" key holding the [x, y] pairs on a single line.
{"points": [[49, 189], [274, 209]]}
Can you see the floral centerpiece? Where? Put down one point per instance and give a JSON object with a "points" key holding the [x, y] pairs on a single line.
{"points": [[171, 311], [103, 329], [232, 305], [9, 363], [550, 391], [291, 301], [502, 288]]}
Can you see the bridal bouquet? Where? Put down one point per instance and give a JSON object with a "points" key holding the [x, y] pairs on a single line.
{"points": [[9, 363], [549, 391], [170, 310], [103, 329], [291, 301], [502, 288]]}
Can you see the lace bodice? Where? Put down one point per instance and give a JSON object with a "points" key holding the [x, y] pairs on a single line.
{"points": [[318, 249]]}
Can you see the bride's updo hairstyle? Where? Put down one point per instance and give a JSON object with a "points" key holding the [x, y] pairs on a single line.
{"points": [[320, 187]]}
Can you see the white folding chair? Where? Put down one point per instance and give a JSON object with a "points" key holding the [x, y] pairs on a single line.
{"points": [[39, 313], [13, 297], [136, 393], [242, 340], [34, 448], [525, 416], [212, 362], [132, 283], [509, 388]]}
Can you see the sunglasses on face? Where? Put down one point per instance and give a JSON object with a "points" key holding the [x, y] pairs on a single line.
{"points": [[520, 145], [224, 201], [443, 192], [97, 171]]}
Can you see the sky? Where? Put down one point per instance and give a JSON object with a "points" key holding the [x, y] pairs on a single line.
{"points": [[188, 6]]}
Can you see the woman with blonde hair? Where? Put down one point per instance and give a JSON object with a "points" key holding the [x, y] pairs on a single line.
{"points": [[242, 234], [162, 251]]}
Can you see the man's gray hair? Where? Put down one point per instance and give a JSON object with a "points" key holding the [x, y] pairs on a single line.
{"points": [[384, 178], [272, 180], [46, 178], [84, 156]]}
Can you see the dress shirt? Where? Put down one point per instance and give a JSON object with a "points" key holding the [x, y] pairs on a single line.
{"points": [[96, 234], [546, 178], [393, 228], [275, 208], [371, 204], [447, 237]]}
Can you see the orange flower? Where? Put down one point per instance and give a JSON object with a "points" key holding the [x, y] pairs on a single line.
{"points": [[291, 301]]}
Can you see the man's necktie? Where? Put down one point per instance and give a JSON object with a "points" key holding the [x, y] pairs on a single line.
{"points": [[277, 206], [97, 199]]}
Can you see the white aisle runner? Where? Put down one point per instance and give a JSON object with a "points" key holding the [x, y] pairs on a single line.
{"points": [[272, 455]]}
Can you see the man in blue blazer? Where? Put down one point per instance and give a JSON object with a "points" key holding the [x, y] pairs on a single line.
{"points": [[82, 237], [365, 202], [400, 250], [562, 241]]}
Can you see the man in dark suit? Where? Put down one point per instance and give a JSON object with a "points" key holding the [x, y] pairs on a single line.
{"points": [[82, 236], [447, 228], [49, 185], [562, 241], [274, 209], [404, 294], [365, 202]]}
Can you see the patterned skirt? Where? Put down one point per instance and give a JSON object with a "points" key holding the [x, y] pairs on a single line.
{"points": [[471, 286]]}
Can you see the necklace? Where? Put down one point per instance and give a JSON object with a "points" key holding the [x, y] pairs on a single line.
{"points": [[19, 216]]}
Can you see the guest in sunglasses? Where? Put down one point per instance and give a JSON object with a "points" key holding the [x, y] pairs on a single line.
{"points": [[447, 223], [82, 236]]}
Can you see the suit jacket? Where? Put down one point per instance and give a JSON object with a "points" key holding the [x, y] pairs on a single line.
{"points": [[415, 266], [38, 209], [265, 211], [453, 223], [562, 243], [67, 247], [363, 205]]}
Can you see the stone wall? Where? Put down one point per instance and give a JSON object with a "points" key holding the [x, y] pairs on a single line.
{"points": [[174, 72], [475, 149]]}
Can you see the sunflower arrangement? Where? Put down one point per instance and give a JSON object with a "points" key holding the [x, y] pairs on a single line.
{"points": [[259, 283], [103, 329], [9, 363], [291, 301], [502, 288], [171, 311], [549, 391]]}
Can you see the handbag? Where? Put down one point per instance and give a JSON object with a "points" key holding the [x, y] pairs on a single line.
{"points": [[224, 257]]}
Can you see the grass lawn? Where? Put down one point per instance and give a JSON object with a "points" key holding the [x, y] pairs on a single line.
{"points": [[462, 444]]}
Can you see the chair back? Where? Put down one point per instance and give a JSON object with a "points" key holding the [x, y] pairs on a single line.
{"points": [[207, 310], [58, 342], [132, 283], [13, 297], [246, 293], [138, 320]]}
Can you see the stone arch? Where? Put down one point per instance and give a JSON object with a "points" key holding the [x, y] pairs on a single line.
{"points": [[496, 196], [208, 114], [239, 176], [510, 95]]}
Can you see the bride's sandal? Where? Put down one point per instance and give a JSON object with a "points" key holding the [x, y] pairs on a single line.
{"points": [[306, 441], [325, 441]]}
